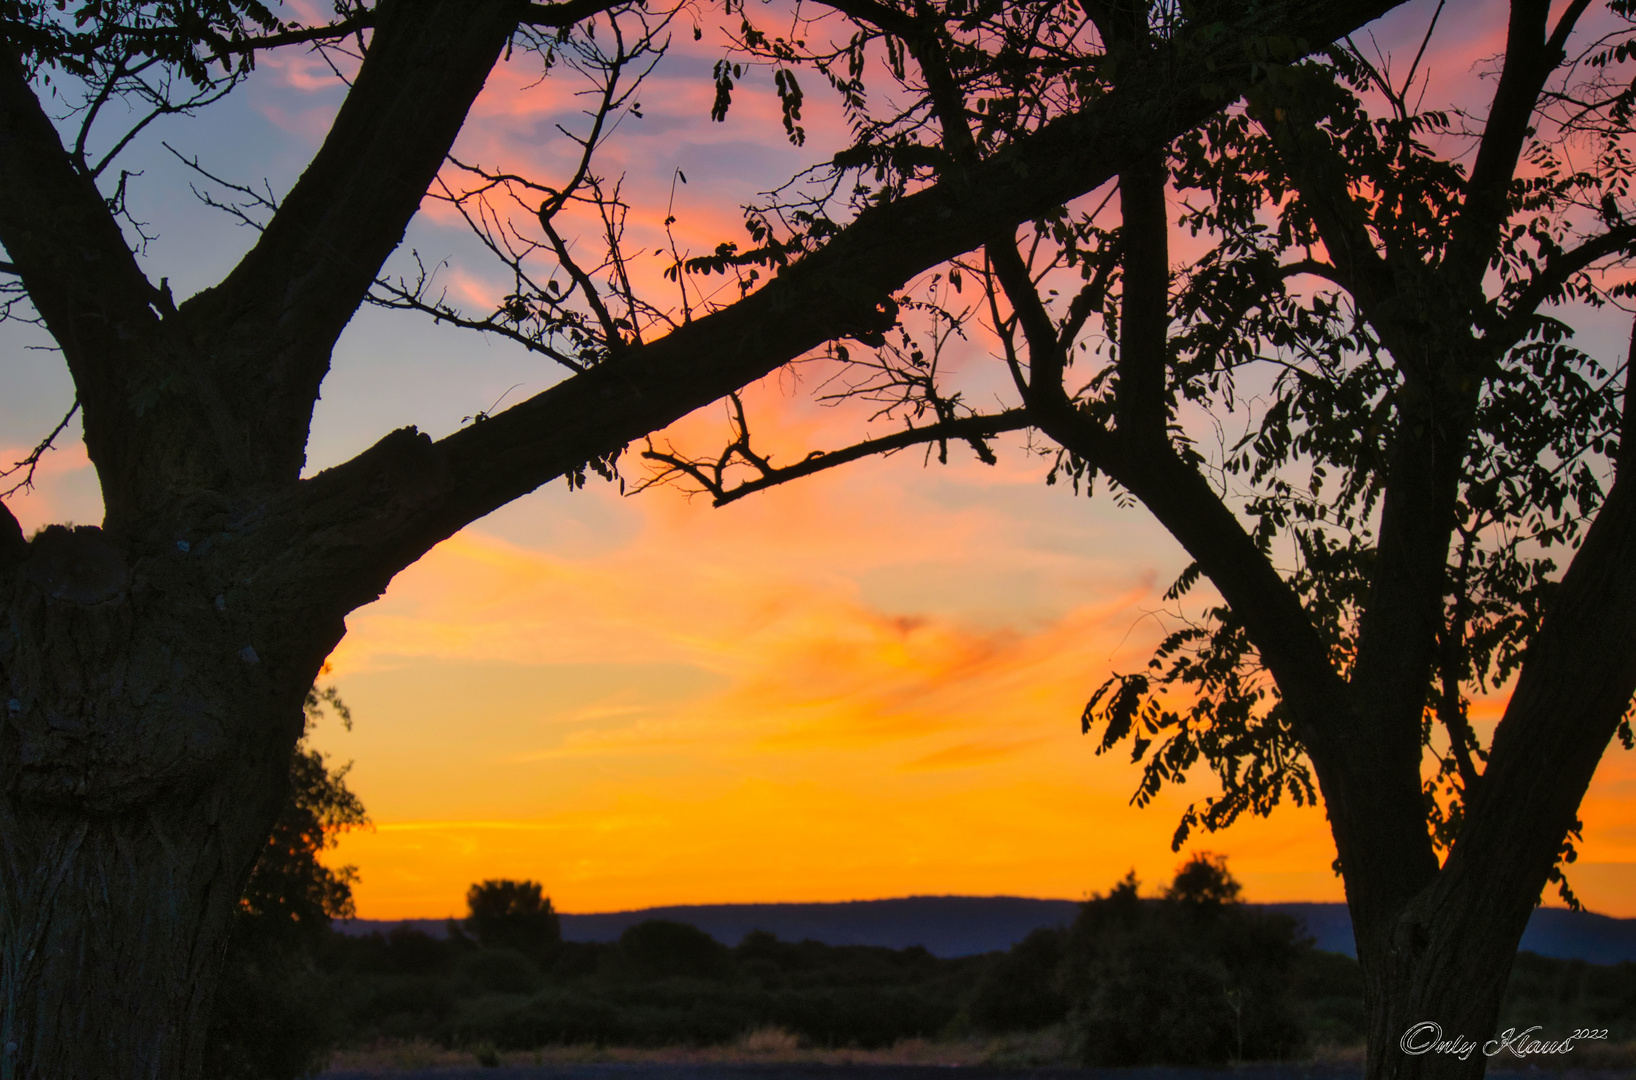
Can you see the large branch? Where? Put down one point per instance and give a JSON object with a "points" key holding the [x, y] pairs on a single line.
{"points": [[1444, 367], [1320, 175], [1575, 684], [1427, 334], [1142, 460], [1398, 630], [1144, 309], [79, 272], [391, 504], [1430, 337], [1373, 795], [1548, 283], [279, 312], [558, 15], [1530, 58], [13, 545]]}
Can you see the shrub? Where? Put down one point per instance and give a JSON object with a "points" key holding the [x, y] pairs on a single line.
{"points": [[1328, 990], [501, 971], [505, 914], [1191, 978], [660, 948], [1022, 990], [272, 1019]]}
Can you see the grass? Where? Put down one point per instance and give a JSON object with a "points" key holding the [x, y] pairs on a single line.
{"points": [[759, 1047], [778, 1046]]}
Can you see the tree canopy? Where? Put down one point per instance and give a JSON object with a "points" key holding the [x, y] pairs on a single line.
{"points": [[506, 914]]}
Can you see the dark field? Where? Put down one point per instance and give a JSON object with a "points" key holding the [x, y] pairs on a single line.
{"points": [[844, 1072], [906, 1072]]}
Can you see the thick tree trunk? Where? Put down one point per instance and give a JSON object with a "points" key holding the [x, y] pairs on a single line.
{"points": [[114, 929], [1445, 956], [144, 753], [1433, 989]]}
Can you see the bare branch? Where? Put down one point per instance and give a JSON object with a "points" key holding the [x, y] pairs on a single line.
{"points": [[1453, 663], [1047, 354], [1574, 687], [258, 200], [66, 247], [1319, 173], [162, 105], [564, 14], [399, 295], [32, 461], [968, 429], [555, 15], [319, 255], [586, 286], [363, 20]]}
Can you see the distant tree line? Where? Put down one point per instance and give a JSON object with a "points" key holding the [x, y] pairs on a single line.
{"points": [[661, 983], [1190, 976]]}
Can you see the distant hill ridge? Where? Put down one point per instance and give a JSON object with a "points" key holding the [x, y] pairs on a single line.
{"points": [[966, 925]]}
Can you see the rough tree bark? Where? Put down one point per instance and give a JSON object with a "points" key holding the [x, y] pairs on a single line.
{"points": [[152, 670]]}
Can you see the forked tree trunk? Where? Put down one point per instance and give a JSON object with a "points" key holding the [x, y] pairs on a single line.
{"points": [[145, 754]]}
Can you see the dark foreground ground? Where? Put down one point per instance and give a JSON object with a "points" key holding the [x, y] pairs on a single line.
{"points": [[914, 1072]]}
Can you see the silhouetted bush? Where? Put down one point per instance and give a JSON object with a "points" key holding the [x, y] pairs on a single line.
{"points": [[1562, 995], [1328, 992], [863, 1015], [273, 1017], [578, 959], [554, 1017], [401, 951], [501, 971], [659, 948], [1022, 990], [505, 914], [1191, 978], [372, 1006]]}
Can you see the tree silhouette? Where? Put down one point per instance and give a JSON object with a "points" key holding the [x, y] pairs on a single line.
{"points": [[1204, 881], [155, 666], [1194, 977], [505, 914], [1432, 495]]}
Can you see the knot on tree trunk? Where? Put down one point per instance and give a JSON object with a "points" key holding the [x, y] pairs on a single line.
{"points": [[75, 564]]}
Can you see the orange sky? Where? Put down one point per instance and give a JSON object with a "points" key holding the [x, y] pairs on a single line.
{"points": [[864, 685]]}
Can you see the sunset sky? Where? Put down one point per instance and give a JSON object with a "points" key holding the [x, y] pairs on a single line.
{"points": [[863, 685]]}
